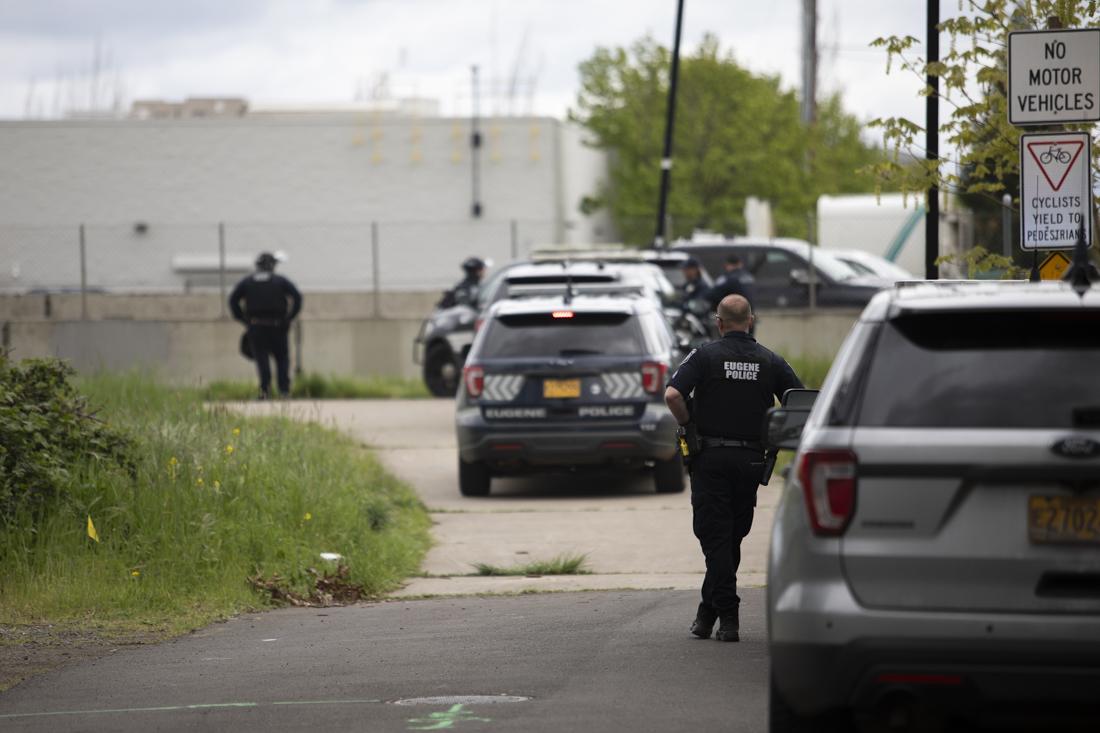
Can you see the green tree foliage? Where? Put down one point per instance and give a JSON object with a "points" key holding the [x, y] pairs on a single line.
{"points": [[973, 80], [737, 135]]}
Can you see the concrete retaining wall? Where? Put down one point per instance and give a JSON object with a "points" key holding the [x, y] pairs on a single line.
{"points": [[185, 339]]}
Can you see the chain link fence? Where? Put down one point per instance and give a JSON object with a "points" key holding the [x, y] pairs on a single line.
{"points": [[154, 257]]}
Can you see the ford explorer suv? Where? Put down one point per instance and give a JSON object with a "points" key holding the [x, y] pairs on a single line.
{"points": [[935, 558], [567, 382]]}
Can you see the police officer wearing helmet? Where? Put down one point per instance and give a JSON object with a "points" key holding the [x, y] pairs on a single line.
{"points": [[733, 381], [266, 303], [465, 293]]}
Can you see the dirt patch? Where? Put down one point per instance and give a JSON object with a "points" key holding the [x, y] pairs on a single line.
{"points": [[26, 651]]}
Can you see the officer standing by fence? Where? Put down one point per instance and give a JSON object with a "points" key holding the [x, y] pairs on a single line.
{"points": [[733, 381], [267, 303]]}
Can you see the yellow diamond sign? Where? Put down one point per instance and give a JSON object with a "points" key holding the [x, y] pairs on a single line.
{"points": [[1054, 266]]}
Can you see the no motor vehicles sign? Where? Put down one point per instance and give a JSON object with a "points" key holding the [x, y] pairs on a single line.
{"points": [[1055, 191], [1054, 76]]}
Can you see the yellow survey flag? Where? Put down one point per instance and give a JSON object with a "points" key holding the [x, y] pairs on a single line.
{"points": [[91, 529]]}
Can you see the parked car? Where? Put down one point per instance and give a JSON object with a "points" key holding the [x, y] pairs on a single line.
{"points": [[935, 558], [782, 271], [872, 265], [566, 383]]}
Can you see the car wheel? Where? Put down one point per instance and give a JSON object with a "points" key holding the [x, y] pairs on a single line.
{"points": [[440, 371], [669, 476], [473, 478], [783, 719]]}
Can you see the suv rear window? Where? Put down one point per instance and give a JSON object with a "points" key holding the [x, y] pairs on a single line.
{"points": [[1014, 369], [541, 335]]}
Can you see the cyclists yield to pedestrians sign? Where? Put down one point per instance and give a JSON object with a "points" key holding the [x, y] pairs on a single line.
{"points": [[1055, 191]]}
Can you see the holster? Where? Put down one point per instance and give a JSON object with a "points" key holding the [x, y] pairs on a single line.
{"points": [[769, 466], [690, 445]]}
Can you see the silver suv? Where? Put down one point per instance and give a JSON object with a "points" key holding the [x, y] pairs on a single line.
{"points": [[935, 559]]}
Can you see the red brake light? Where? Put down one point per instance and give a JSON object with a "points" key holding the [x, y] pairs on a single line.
{"points": [[562, 314], [475, 380], [653, 376], [829, 486]]}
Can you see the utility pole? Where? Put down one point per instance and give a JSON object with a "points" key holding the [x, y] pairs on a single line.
{"points": [[475, 148], [932, 147], [809, 117], [660, 239], [809, 62]]}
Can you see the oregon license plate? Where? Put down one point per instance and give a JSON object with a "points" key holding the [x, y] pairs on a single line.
{"points": [[561, 388], [1063, 519]]}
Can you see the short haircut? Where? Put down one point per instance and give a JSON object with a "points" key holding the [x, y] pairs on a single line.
{"points": [[733, 260], [735, 310]]}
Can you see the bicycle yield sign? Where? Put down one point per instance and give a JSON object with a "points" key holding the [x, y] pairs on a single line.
{"points": [[1055, 189]]}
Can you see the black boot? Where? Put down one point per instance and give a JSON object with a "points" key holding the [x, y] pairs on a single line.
{"points": [[729, 628], [704, 621]]}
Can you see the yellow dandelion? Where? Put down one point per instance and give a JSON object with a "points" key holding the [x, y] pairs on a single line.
{"points": [[135, 573], [236, 431], [198, 481], [307, 516], [229, 449]]}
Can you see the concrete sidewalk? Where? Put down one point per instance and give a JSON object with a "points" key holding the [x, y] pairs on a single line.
{"points": [[633, 538]]}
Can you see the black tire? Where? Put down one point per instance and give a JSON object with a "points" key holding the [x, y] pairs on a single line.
{"points": [[474, 478], [783, 719], [440, 370], [668, 476]]}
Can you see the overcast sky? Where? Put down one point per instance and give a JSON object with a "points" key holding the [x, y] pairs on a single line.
{"points": [[317, 52]]}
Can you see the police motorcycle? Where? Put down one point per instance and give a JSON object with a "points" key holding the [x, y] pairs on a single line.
{"points": [[446, 334]]}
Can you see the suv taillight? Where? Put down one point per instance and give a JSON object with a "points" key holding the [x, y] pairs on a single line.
{"points": [[653, 376], [829, 485], [475, 380]]}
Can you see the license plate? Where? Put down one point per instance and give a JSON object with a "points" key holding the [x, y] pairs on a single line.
{"points": [[561, 388], [1063, 519]]}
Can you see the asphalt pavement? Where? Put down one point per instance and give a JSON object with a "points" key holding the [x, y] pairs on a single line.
{"points": [[606, 661]]}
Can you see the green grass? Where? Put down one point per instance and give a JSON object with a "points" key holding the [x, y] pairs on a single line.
{"points": [[322, 387], [567, 564], [811, 370], [215, 498]]}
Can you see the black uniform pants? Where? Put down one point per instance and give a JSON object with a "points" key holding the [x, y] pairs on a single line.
{"points": [[723, 497], [270, 341]]}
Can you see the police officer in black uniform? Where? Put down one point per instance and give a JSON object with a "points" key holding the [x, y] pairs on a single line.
{"points": [[733, 382], [465, 293], [736, 280], [694, 287], [266, 303]]}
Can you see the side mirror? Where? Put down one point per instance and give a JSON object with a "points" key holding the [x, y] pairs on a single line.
{"points": [[784, 427]]}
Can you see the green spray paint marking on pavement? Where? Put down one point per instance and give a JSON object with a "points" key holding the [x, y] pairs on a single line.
{"points": [[446, 720]]}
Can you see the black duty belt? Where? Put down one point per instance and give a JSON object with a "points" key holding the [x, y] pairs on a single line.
{"points": [[730, 443]]}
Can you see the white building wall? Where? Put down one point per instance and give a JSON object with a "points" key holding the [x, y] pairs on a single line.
{"points": [[151, 193]]}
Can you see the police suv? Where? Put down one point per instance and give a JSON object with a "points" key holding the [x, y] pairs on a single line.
{"points": [[935, 558], [567, 381]]}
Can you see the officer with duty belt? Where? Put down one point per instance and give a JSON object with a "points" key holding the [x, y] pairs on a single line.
{"points": [[266, 303], [732, 381]]}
